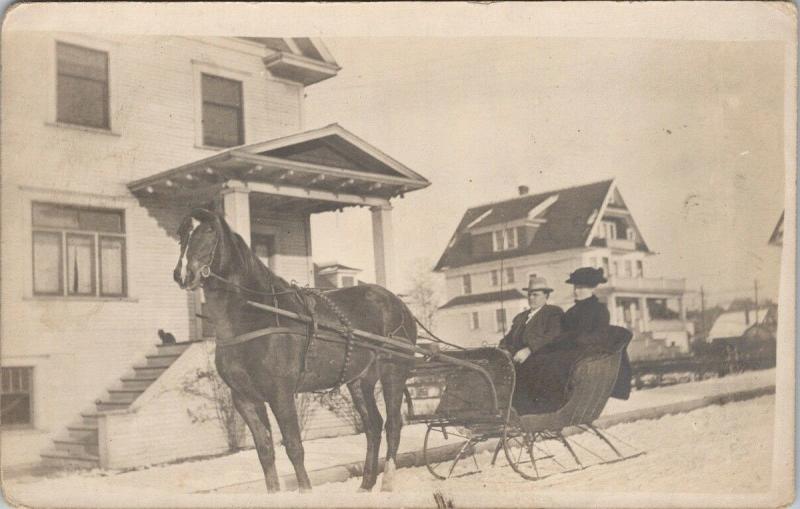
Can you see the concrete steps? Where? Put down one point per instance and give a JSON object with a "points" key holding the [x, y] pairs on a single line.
{"points": [[79, 447], [68, 460]]}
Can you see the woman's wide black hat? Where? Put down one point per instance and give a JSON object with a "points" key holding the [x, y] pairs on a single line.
{"points": [[587, 276]]}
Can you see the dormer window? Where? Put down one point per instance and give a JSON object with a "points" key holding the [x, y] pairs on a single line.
{"points": [[609, 230], [630, 234], [503, 240]]}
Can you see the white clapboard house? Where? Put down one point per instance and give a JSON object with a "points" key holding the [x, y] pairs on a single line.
{"points": [[108, 141], [497, 246]]}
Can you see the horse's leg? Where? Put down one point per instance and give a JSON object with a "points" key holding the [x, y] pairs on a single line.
{"points": [[255, 416], [285, 410], [393, 383], [362, 392]]}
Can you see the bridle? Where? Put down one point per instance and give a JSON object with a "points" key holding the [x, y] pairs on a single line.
{"points": [[205, 271]]}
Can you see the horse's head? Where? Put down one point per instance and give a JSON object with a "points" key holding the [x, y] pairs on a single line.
{"points": [[202, 236]]}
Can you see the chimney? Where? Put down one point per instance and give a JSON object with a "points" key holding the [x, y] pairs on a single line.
{"points": [[523, 190]]}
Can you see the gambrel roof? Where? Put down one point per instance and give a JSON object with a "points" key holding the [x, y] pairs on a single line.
{"points": [[565, 218]]}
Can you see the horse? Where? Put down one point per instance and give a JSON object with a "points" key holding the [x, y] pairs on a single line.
{"points": [[293, 358]]}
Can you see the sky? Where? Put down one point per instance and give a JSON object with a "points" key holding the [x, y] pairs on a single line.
{"points": [[691, 130]]}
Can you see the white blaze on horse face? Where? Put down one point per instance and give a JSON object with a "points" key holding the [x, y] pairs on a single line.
{"points": [[184, 261]]}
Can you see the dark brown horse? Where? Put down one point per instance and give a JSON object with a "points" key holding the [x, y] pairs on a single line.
{"points": [[275, 367]]}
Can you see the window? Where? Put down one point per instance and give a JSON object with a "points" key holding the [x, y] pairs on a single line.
{"points": [[606, 270], [609, 230], [495, 279], [81, 86], [348, 281], [510, 275], [15, 398], [74, 249], [466, 284], [628, 268], [474, 321], [264, 248], [223, 122], [500, 319], [639, 268], [630, 234], [503, 240], [615, 268]]}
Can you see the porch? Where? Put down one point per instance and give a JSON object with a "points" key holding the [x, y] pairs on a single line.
{"points": [[267, 192]]}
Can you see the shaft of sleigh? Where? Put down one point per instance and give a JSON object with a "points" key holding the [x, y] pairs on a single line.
{"points": [[404, 347]]}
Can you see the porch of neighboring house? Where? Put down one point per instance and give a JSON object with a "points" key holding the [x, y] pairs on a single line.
{"points": [[654, 310]]}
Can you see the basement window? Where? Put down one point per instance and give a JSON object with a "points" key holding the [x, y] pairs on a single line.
{"points": [[16, 401]]}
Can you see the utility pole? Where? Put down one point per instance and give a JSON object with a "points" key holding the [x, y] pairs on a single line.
{"points": [[703, 313], [755, 287]]}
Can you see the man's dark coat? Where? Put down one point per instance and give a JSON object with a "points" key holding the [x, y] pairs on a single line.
{"points": [[585, 330], [542, 329]]}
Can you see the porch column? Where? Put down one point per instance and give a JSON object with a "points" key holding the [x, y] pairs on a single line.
{"points": [[383, 245], [236, 204], [612, 309], [645, 314]]}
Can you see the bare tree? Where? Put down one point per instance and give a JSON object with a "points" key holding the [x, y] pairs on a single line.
{"points": [[216, 402], [422, 296]]}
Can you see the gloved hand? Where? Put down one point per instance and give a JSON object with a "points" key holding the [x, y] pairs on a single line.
{"points": [[522, 355]]}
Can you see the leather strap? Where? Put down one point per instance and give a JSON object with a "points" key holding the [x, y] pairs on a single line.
{"points": [[258, 333]]}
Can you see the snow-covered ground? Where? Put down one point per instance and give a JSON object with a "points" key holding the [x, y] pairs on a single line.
{"points": [[724, 450]]}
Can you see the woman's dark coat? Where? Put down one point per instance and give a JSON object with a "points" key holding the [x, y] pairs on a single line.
{"points": [[584, 330]]}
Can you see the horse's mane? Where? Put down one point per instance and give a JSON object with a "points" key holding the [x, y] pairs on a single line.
{"points": [[241, 259]]}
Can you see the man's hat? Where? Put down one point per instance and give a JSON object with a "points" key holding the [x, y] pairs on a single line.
{"points": [[587, 276], [536, 283]]}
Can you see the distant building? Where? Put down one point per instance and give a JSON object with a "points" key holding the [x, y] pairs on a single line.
{"points": [[751, 323], [328, 276], [496, 246], [777, 234]]}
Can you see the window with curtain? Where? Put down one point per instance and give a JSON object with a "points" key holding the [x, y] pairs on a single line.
{"points": [[466, 284], [510, 275], [16, 401], [223, 120], [82, 86], [495, 279], [78, 251]]}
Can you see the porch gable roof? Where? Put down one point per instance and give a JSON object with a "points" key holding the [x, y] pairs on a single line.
{"points": [[329, 164]]}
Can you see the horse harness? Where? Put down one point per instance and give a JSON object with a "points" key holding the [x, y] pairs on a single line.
{"points": [[305, 296]]}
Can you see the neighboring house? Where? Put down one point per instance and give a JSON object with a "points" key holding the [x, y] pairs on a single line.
{"points": [[497, 246], [758, 324], [328, 276], [108, 142], [776, 239]]}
